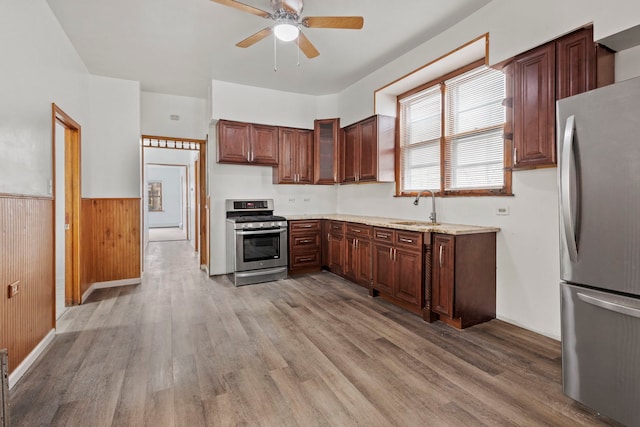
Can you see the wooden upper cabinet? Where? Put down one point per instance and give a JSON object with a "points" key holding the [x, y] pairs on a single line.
{"points": [[295, 165], [350, 160], [247, 143], [368, 150], [534, 107], [264, 145], [576, 64], [567, 66], [233, 142], [326, 146]]}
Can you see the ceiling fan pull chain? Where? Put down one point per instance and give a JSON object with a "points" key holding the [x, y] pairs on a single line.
{"points": [[298, 49], [275, 54]]}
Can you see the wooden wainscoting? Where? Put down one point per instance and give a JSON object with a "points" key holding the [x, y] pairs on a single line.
{"points": [[110, 240], [26, 255]]}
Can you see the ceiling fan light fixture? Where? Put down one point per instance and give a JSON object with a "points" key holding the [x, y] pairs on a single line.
{"points": [[286, 31]]}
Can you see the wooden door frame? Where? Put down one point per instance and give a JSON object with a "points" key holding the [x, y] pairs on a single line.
{"points": [[73, 138], [202, 200]]}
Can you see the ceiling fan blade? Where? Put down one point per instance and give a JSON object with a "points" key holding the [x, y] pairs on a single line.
{"points": [[293, 6], [253, 39], [243, 7], [345, 22], [306, 46]]}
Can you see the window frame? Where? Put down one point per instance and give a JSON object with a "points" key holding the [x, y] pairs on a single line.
{"points": [[506, 190], [160, 197]]}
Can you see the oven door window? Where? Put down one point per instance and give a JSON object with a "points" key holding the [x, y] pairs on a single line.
{"points": [[261, 247]]}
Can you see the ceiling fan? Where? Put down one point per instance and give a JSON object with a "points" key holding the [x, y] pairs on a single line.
{"points": [[289, 22]]}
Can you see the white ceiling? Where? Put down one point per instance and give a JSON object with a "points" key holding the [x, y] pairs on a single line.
{"points": [[179, 46]]}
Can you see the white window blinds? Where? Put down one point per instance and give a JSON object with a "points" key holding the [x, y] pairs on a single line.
{"points": [[420, 133], [475, 116], [463, 118]]}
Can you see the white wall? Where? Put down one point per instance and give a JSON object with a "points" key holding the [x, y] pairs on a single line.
{"points": [[156, 110], [111, 144], [527, 264], [39, 66], [173, 179]]}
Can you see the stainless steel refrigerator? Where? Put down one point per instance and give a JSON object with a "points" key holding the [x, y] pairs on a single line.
{"points": [[599, 180]]}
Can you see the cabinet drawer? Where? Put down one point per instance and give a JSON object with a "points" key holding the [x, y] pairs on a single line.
{"points": [[304, 242], [383, 235], [307, 259], [408, 239], [303, 226], [363, 231], [336, 227]]}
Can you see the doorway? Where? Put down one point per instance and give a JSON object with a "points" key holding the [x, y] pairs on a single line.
{"points": [[65, 186], [165, 152]]}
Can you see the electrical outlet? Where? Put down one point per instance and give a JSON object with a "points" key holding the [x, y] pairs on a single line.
{"points": [[307, 199], [503, 210], [292, 199], [14, 288]]}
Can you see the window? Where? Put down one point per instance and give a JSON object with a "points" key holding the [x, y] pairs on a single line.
{"points": [[451, 134], [155, 196]]}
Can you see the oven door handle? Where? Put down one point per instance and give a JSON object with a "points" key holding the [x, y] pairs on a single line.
{"points": [[254, 232]]}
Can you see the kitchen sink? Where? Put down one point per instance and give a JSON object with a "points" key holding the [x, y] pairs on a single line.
{"points": [[416, 223]]}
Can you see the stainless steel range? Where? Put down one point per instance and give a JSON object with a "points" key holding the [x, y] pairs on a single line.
{"points": [[256, 242]]}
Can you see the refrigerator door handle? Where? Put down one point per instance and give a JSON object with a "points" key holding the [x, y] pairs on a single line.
{"points": [[565, 191], [610, 305]]}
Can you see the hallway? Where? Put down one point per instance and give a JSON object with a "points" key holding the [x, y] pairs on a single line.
{"points": [[185, 350]]}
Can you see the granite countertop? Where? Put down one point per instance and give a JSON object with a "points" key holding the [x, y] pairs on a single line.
{"points": [[400, 224]]}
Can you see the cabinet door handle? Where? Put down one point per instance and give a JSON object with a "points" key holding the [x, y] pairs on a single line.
{"points": [[515, 156], [355, 230], [391, 254], [306, 241], [328, 237], [357, 244], [402, 239], [383, 236], [305, 226], [441, 255]]}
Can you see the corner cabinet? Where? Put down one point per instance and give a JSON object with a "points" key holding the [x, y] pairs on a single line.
{"points": [[568, 66], [247, 143], [295, 158], [368, 150], [326, 151], [463, 279]]}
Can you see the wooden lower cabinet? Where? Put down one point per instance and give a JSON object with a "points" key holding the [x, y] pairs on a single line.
{"points": [[357, 265], [463, 288], [305, 246], [398, 268], [335, 247]]}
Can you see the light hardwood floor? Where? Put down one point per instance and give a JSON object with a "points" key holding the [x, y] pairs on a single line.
{"points": [[182, 349]]}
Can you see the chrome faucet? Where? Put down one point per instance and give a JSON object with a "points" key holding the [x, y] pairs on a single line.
{"points": [[432, 215]]}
